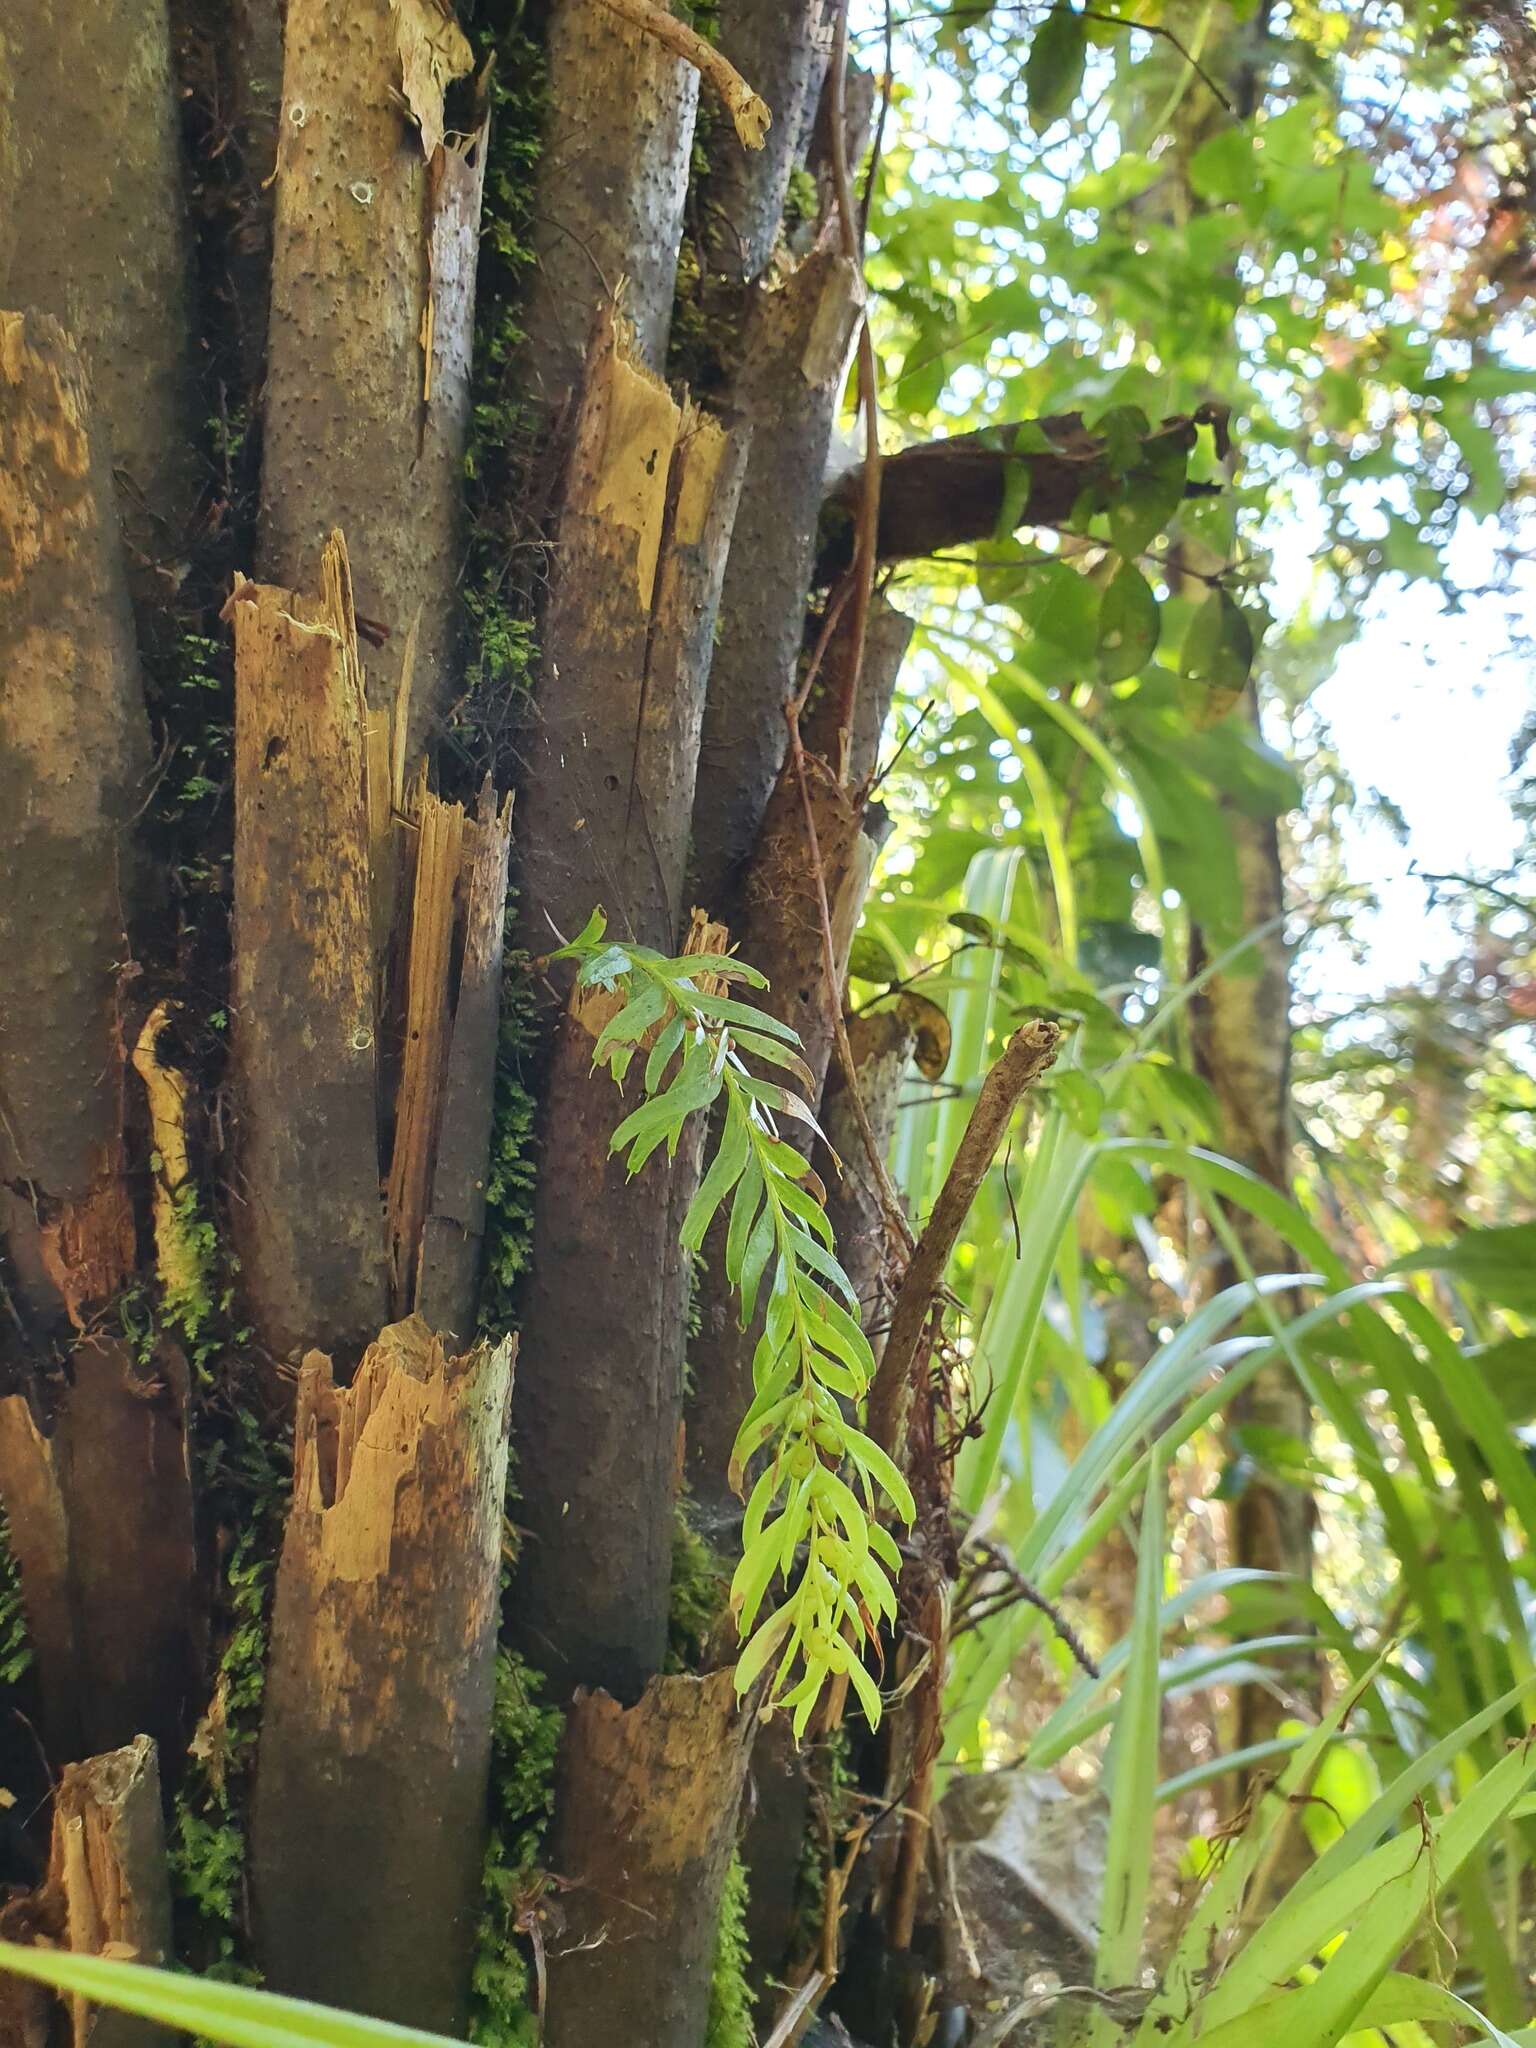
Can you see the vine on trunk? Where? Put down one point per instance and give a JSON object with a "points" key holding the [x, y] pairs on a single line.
{"points": [[812, 1356]]}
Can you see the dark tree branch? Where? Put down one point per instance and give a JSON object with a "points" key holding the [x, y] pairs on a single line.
{"points": [[1029, 1052], [944, 493]]}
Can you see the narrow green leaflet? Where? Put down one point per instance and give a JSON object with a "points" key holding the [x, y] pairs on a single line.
{"points": [[1132, 1765], [807, 1530], [201, 2006]]}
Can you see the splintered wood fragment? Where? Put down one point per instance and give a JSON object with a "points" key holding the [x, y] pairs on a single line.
{"points": [[310, 1222], [166, 1091], [106, 1892], [424, 1054], [455, 189], [455, 1225], [434, 51], [107, 1865], [646, 1805], [749, 115], [369, 1813]]}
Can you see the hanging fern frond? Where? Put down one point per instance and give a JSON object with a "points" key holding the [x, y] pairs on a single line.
{"points": [[809, 1531]]}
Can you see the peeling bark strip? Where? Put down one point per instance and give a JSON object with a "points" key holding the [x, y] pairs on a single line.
{"points": [[74, 758], [613, 178], [309, 1223], [646, 1805], [91, 229], [375, 1744], [435, 1204], [794, 352], [107, 1868], [374, 249], [439, 831], [639, 552]]}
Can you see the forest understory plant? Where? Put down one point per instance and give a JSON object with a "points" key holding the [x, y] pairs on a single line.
{"points": [[813, 1362]]}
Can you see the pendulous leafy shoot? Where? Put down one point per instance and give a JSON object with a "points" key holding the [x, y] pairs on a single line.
{"points": [[809, 1531]]}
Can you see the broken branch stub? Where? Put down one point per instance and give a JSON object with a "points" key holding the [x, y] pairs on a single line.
{"points": [[74, 759], [602, 818], [612, 183], [367, 396], [107, 1867], [646, 1805], [92, 231], [93, 1461], [785, 386], [612, 748], [369, 1817], [106, 1891], [309, 1222], [368, 934]]}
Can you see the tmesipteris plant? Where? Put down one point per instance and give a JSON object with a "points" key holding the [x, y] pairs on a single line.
{"points": [[807, 1530]]}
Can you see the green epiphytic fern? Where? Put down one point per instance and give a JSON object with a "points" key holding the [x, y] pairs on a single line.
{"points": [[807, 1531]]}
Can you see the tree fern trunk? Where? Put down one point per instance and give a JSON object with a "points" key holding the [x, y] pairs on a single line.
{"points": [[291, 929]]}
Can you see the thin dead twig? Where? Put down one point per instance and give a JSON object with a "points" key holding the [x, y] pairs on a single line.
{"points": [[1027, 1055], [867, 532], [1021, 1589]]}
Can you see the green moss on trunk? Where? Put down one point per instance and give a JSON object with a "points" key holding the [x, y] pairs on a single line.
{"points": [[730, 1997]]}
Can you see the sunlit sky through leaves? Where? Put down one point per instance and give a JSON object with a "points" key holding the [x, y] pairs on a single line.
{"points": [[1423, 703]]}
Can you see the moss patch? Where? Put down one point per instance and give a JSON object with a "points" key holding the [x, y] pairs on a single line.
{"points": [[525, 1740], [244, 1472], [730, 1996], [512, 1171], [15, 1643], [701, 1586]]}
